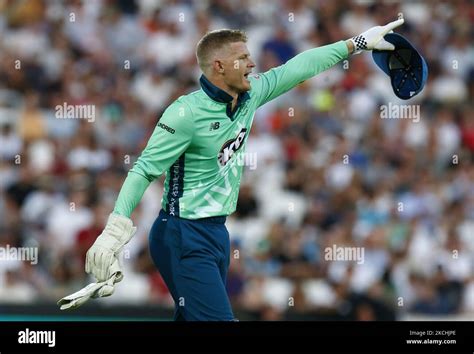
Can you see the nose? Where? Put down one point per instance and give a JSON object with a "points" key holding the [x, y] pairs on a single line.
{"points": [[251, 64]]}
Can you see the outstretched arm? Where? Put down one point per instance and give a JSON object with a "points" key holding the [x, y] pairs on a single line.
{"points": [[305, 65], [309, 63]]}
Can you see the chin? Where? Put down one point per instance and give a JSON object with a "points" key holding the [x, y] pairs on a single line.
{"points": [[243, 87], [246, 86]]}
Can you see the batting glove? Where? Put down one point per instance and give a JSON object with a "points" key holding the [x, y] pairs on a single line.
{"points": [[373, 38], [106, 249]]}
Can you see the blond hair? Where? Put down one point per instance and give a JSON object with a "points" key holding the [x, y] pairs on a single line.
{"points": [[215, 40]]}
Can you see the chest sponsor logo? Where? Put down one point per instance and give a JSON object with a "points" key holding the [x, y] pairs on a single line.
{"points": [[231, 146]]}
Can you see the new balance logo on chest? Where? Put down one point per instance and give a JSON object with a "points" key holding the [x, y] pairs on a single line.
{"points": [[214, 126]]}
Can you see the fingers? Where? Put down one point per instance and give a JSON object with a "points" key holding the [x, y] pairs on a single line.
{"points": [[106, 290], [392, 25], [93, 264], [118, 278], [384, 45], [88, 267], [100, 264]]}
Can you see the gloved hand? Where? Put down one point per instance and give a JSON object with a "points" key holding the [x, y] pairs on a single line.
{"points": [[105, 250], [373, 38], [92, 291]]}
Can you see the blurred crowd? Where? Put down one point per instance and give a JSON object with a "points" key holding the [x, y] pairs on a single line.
{"points": [[330, 171]]}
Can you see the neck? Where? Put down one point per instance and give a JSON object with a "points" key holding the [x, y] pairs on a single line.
{"points": [[219, 82]]}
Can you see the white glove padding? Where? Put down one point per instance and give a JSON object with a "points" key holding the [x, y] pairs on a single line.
{"points": [[105, 250], [93, 290], [373, 38]]}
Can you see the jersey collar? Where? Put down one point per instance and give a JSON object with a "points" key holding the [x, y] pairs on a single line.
{"points": [[220, 95]]}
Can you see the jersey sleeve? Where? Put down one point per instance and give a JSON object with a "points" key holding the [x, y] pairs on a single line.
{"points": [[170, 139], [305, 65]]}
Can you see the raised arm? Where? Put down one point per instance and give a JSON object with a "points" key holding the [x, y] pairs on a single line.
{"points": [[309, 63], [305, 65]]}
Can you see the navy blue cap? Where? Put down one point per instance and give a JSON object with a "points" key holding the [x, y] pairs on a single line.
{"points": [[406, 67]]}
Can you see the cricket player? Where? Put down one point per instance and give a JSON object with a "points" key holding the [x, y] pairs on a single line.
{"points": [[196, 143]]}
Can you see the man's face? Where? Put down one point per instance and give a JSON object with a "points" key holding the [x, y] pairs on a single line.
{"points": [[237, 65]]}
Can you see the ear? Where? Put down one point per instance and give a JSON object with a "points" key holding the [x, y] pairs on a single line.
{"points": [[218, 66]]}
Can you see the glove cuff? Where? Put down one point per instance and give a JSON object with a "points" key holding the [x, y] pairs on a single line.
{"points": [[121, 229], [125, 224], [359, 42]]}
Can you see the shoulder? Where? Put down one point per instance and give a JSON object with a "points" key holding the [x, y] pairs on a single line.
{"points": [[256, 84], [179, 114], [192, 98], [189, 102], [182, 107], [254, 77], [256, 80]]}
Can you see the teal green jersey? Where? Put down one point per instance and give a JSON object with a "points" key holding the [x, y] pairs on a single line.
{"points": [[199, 141]]}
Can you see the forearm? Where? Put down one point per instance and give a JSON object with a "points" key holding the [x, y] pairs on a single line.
{"points": [[314, 61], [302, 67], [130, 194]]}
